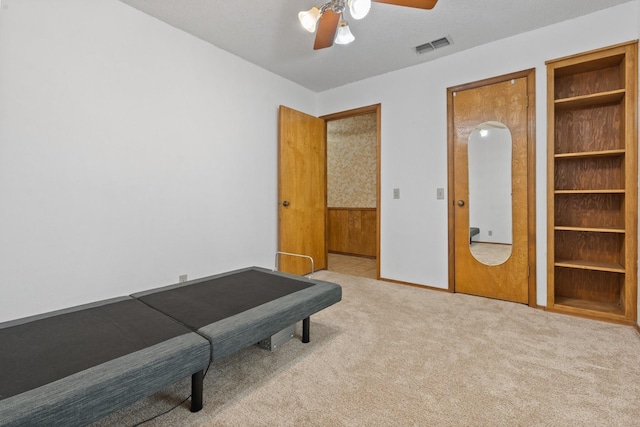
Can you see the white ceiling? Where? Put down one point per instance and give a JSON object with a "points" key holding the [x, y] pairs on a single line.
{"points": [[268, 34]]}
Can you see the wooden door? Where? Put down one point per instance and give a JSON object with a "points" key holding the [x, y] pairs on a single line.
{"points": [[302, 191], [505, 102]]}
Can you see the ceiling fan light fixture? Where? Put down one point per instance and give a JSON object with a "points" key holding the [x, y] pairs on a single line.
{"points": [[343, 35], [359, 8], [309, 18]]}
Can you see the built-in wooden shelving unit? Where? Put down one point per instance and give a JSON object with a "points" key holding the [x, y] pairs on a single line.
{"points": [[593, 183]]}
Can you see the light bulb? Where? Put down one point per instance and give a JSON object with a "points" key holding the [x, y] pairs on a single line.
{"points": [[309, 19], [343, 35], [359, 8]]}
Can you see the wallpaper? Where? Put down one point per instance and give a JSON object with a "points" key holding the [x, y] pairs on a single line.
{"points": [[352, 162]]}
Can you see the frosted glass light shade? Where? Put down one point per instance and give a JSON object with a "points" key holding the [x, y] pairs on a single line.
{"points": [[343, 35], [309, 19], [359, 8]]}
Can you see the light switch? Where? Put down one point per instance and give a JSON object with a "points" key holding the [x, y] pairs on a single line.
{"points": [[396, 193], [440, 193]]}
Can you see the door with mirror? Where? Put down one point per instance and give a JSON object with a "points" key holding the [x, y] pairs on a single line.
{"points": [[490, 190], [490, 196]]}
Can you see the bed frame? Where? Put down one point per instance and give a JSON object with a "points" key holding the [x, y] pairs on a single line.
{"points": [[472, 232], [74, 366], [253, 315]]}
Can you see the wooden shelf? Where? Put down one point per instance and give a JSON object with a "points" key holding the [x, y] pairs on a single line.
{"points": [[611, 191], [592, 108], [590, 154], [590, 265], [587, 65], [593, 308], [590, 100], [591, 229]]}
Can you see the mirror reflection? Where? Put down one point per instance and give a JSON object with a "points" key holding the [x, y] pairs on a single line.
{"points": [[490, 210]]}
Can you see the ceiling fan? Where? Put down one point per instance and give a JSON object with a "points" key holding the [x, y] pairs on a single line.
{"points": [[330, 22]]}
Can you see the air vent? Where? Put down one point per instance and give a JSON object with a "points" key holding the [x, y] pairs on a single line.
{"points": [[433, 45], [427, 47]]}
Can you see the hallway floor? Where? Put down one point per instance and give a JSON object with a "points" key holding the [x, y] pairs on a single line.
{"points": [[353, 265]]}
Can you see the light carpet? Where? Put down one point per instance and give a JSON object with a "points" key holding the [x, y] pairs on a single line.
{"points": [[394, 355]]}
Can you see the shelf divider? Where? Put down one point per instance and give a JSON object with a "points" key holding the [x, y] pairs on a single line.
{"points": [[591, 100]]}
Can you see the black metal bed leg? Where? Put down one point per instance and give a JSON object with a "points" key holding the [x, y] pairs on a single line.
{"points": [[306, 323], [197, 381]]}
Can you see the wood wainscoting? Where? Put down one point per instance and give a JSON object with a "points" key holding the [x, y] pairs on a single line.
{"points": [[352, 231]]}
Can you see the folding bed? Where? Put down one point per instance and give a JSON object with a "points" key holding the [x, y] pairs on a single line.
{"points": [[74, 366], [472, 232]]}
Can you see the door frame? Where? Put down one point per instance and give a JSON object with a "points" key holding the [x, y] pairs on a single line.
{"points": [[529, 74], [375, 108]]}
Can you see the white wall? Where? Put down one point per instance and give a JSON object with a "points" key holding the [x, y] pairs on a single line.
{"points": [[130, 153], [414, 135]]}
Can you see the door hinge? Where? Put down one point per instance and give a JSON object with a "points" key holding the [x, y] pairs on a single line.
{"points": [[528, 270]]}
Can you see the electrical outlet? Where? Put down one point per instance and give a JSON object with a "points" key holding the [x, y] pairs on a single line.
{"points": [[396, 193], [490, 232], [182, 278]]}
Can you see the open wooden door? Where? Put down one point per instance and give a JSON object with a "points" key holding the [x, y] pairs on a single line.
{"points": [[302, 188]]}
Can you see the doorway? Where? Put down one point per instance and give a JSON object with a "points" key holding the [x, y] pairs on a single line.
{"points": [[303, 167], [491, 157], [352, 191]]}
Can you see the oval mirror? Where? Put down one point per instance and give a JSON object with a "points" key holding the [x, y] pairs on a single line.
{"points": [[490, 210]]}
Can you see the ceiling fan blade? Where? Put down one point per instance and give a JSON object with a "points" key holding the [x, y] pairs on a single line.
{"points": [[327, 27], [420, 4]]}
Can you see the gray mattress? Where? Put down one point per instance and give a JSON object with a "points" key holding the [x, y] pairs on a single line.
{"points": [[73, 366], [257, 304]]}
